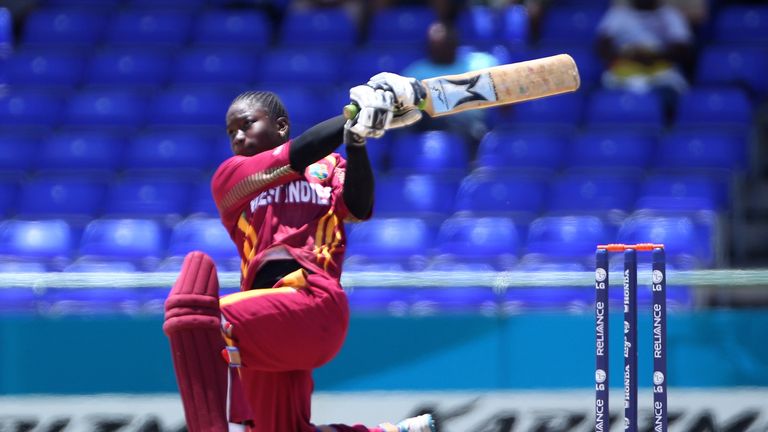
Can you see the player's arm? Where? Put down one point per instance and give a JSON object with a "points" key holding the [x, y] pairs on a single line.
{"points": [[358, 180]]}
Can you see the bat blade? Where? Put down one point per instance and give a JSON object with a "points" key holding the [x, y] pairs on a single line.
{"points": [[501, 85]]}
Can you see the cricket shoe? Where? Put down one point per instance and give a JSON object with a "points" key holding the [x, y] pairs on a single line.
{"points": [[422, 423]]}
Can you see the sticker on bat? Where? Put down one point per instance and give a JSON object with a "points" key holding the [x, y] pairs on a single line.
{"points": [[448, 94]]}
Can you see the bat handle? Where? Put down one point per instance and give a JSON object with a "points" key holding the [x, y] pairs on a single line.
{"points": [[351, 109]]}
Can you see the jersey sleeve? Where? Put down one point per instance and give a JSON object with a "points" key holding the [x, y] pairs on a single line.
{"points": [[239, 178]]}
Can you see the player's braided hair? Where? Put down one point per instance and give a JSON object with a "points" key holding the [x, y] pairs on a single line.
{"points": [[265, 99]]}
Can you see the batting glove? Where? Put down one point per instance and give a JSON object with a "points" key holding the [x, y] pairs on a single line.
{"points": [[408, 92], [374, 114]]}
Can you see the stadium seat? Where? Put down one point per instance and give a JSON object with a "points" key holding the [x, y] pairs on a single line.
{"points": [[139, 241], [30, 108], [7, 40], [566, 237], [376, 300], [729, 106], [571, 24], [703, 149], [514, 26], [741, 24], [250, 28], [480, 25], [45, 69], [45, 241], [302, 67], [295, 101], [416, 195], [143, 196], [407, 241], [436, 152], [190, 5], [207, 235], [616, 150], [74, 199], [9, 191], [746, 66], [106, 107], [687, 244], [149, 27], [683, 192], [514, 150], [129, 66], [331, 27], [400, 25], [365, 62], [64, 26], [597, 193], [190, 106], [218, 65], [82, 152], [83, 4], [202, 203], [17, 152], [378, 152], [624, 109], [493, 240], [177, 151], [454, 300], [485, 193], [560, 110]]}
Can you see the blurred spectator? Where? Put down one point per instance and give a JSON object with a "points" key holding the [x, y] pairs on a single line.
{"points": [[444, 57], [645, 44]]}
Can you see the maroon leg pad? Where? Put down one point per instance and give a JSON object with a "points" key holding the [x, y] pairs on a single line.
{"points": [[193, 325]]}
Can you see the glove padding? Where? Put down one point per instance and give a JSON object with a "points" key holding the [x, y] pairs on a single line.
{"points": [[408, 92], [375, 113]]}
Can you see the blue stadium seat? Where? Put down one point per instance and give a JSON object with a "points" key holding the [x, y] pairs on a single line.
{"points": [[17, 152], [514, 150], [190, 106], [74, 199], [215, 66], [191, 5], [64, 26], [6, 32], [30, 108], [401, 25], [51, 68], [416, 195], [106, 107], [624, 109], [169, 150], [596, 193], [687, 244], [407, 241], [81, 152], [734, 65], [45, 241], [589, 64], [139, 241], [571, 24], [202, 203], [365, 62], [683, 192], [207, 235], [742, 24], [332, 27], [129, 66], [514, 27], [612, 150], [250, 28], [729, 106], [703, 149], [566, 237], [377, 300], [436, 152], [295, 99], [560, 110], [82, 4], [485, 193], [303, 67], [143, 196], [9, 191], [453, 300], [493, 240], [480, 25], [378, 151], [148, 27]]}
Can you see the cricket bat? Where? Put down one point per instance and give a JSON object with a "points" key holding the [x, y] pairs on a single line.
{"points": [[497, 85]]}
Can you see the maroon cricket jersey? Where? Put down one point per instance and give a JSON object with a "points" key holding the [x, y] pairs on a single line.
{"points": [[269, 209]]}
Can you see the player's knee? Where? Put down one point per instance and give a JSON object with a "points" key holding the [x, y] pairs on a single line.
{"points": [[194, 299]]}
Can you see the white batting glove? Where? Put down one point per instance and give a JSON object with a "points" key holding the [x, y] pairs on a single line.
{"points": [[408, 92], [374, 114]]}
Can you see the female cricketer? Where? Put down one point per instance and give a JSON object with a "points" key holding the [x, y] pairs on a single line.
{"points": [[248, 357]]}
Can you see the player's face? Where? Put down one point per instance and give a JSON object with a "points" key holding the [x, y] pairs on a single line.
{"points": [[252, 131]]}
